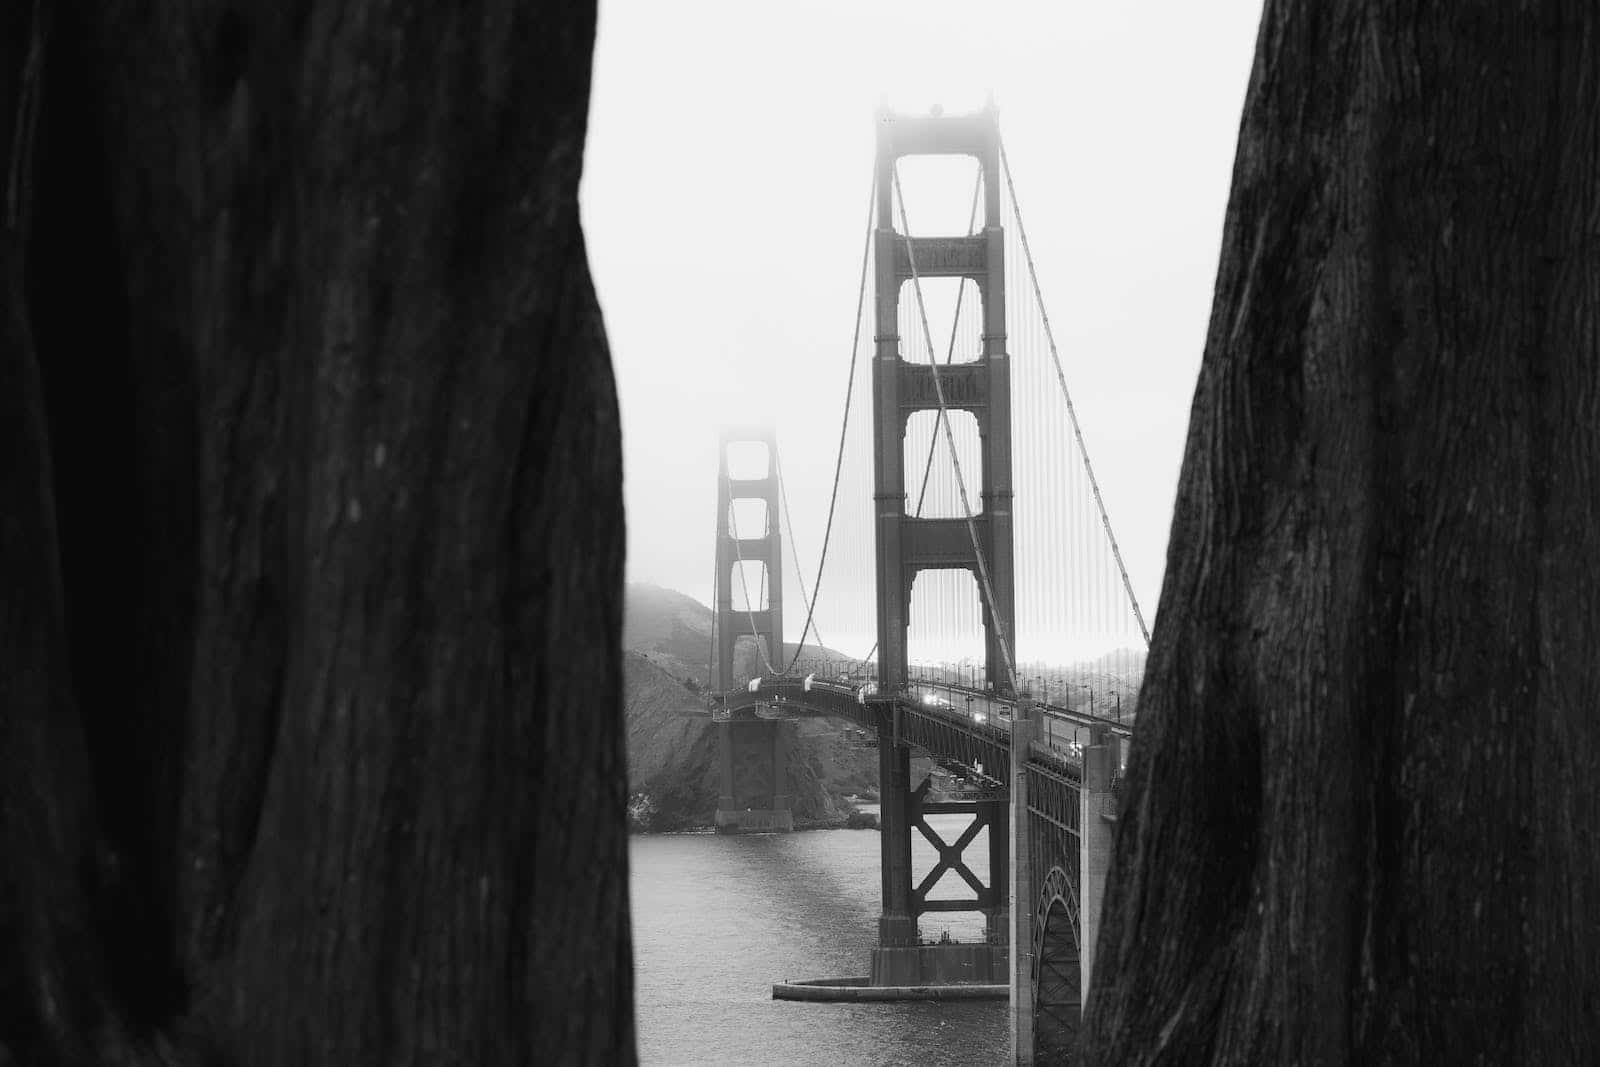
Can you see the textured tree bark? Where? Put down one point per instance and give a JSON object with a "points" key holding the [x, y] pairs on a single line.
{"points": [[1362, 817], [311, 544]]}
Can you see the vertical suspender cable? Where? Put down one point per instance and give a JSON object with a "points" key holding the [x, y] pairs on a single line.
{"points": [[1072, 413], [794, 554]]}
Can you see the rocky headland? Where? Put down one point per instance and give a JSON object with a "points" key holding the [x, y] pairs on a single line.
{"points": [[672, 742]]}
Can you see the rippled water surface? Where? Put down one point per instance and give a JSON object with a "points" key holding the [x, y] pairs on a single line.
{"points": [[718, 919]]}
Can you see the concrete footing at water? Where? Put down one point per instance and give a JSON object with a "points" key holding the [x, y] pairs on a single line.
{"points": [[948, 970], [836, 990], [950, 963]]}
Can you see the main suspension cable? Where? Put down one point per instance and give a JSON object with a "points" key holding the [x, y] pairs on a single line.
{"points": [[1072, 412], [794, 554], [844, 425]]}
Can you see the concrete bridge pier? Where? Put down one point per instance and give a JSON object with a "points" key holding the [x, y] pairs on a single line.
{"points": [[1024, 731], [901, 958], [997, 913], [1098, 823], [897, 925], [754, 795]]}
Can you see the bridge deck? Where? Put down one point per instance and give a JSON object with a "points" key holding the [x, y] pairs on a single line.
{"points": [[951, 722]]}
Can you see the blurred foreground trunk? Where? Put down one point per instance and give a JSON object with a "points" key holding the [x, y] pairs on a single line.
{"points": [[310, 542], [1362, 817]]}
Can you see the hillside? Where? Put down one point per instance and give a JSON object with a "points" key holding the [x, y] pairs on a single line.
{"points": [[672, 744], [670, 629], [673, 631], [672, 749]]}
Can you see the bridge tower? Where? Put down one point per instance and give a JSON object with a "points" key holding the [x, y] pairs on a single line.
{"points": [[754, 793], [907, 544]]}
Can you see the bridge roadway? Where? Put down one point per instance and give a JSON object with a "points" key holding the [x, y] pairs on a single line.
{"points": [[951, 722]]}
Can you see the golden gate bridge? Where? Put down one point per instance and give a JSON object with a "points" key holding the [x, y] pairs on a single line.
{"points": [[968, 597]]}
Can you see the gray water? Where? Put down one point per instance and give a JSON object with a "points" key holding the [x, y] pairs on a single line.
{"points": [[717, 919]]}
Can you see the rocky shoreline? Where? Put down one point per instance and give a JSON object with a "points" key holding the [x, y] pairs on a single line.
{"points": [[644, 817]]}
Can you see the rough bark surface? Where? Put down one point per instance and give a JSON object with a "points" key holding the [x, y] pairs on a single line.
{"points": [[310, 543], [1362, 816]]}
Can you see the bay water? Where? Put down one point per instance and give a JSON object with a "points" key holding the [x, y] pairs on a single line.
{"points": [[718, 918]]}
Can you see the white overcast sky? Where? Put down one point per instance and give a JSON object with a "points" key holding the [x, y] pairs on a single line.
{"points": [[724, 190]]}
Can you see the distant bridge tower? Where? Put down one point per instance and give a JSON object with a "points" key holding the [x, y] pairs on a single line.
{"points": [[907, 544], [754, 793]]}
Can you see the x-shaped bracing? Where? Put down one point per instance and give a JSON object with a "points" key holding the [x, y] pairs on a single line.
{"points": [[950, 855], [950, 860]]}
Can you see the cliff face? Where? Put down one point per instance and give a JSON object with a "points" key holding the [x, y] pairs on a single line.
{"points": [[672, 743], [825, 766], [672, 750]]}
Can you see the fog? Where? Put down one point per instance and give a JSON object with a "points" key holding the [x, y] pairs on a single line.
{"points": [[725, 194]]}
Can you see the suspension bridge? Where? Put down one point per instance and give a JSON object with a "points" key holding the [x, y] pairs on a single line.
{"points": [[968, 598]]}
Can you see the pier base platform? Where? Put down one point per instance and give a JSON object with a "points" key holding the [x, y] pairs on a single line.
{"points": [[855, 990]]}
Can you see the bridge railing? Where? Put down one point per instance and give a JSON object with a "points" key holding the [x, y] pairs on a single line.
{"points": [[982, 704], [1002, 707], [834, 670]]}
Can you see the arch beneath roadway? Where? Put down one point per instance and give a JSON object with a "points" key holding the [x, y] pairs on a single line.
{"points": [[1057, 993]]}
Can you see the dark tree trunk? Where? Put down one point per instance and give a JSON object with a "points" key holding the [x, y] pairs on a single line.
{"points": [[310, 543], [1362, 817]]}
